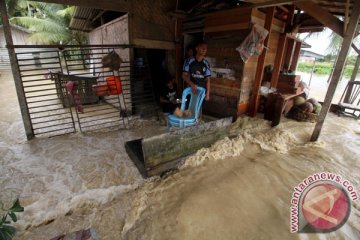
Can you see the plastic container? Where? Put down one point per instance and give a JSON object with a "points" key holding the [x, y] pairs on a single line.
{"points": [[114, 85], [101, 89]]}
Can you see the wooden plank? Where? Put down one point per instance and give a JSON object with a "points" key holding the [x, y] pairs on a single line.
{"points": [[260, 65], [353, 77], [322, 15], [306, 29], [296, 56], [289, 53], [229, 27], [226, 19], [347, 10], [16, 73], [273, 3], [154, 44], [339, 67], [179, 41], [278, 60], [166, 147], [239, 11], [113, 5], [290, 19], [225, 82]]}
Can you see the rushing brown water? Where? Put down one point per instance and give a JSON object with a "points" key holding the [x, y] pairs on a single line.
{"points": [[240, 188]]}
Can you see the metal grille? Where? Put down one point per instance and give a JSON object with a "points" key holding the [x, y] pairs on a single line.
{"points": [[47, 114], [102, 90], [69, 90]]}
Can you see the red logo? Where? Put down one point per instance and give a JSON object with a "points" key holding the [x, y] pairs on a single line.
{"points": [[326, 207]]}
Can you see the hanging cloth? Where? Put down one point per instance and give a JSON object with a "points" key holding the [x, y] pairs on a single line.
{"points": [[253, 44], [73, 90]]}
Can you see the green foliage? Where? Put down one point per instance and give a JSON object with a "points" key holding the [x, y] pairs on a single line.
{"points": [[49, 23], [323, 68], [7, 231]]}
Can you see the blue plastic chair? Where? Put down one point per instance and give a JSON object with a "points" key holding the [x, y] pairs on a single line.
{"points": [[194, 106]]}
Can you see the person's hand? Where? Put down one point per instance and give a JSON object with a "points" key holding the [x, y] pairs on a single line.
{"points": [[193, 88], [207, 98]]}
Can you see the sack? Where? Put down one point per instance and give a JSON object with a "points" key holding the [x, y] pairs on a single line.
{"points": [[253, 44], [111, 60]]}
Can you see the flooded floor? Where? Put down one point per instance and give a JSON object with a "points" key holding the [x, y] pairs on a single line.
{"points": [[240, 188]]}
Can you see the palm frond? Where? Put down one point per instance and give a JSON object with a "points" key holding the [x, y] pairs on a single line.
{"points": [[46, 38], [38, 25]]}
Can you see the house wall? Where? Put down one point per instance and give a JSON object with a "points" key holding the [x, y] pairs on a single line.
{"points": [[224, 32], [19, 37], [151, 24], [114, 32], [249, 72]]}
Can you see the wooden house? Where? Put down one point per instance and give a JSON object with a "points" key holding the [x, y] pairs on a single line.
{"points": [[165, 27]]}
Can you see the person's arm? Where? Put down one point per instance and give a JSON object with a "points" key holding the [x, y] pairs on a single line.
{"points": [[207, 98], [186, 78], [163, 100], [207, 78]]}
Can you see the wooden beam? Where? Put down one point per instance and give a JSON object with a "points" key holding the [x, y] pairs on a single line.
{"points": [[289, 54], [346, 20], [278, 60], [179, 41], [290, 19], [154, 44], [284, 9], [310, 29], [332, 3], [339, 67], [353, 77], [163, 148], [322, 15], [260, 65], [275, 3], [16, 73], [98, 15], [295, 57], [113, 5]]}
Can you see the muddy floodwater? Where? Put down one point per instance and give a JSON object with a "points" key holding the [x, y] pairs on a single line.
{"points": [[239, 188]]}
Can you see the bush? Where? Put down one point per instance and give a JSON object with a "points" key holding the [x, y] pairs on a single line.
{"points": [[7, 231], [324, 68]]}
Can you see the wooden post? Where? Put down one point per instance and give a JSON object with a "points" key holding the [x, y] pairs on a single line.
{"points": [[278, 60], [178, 53], [260, 65], [339, 67], [16, 73], [296, 56], [353, 77], [289, 54], [347, 9]]}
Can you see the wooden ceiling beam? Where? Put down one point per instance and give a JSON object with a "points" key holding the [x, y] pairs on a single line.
{"points": [[335, 4], [266, 4], [310, 29], [322, 15], [114, 5], [346, 20]]}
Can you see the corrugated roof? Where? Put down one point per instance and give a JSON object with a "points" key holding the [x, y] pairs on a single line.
{"points": [[83, 18]]}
